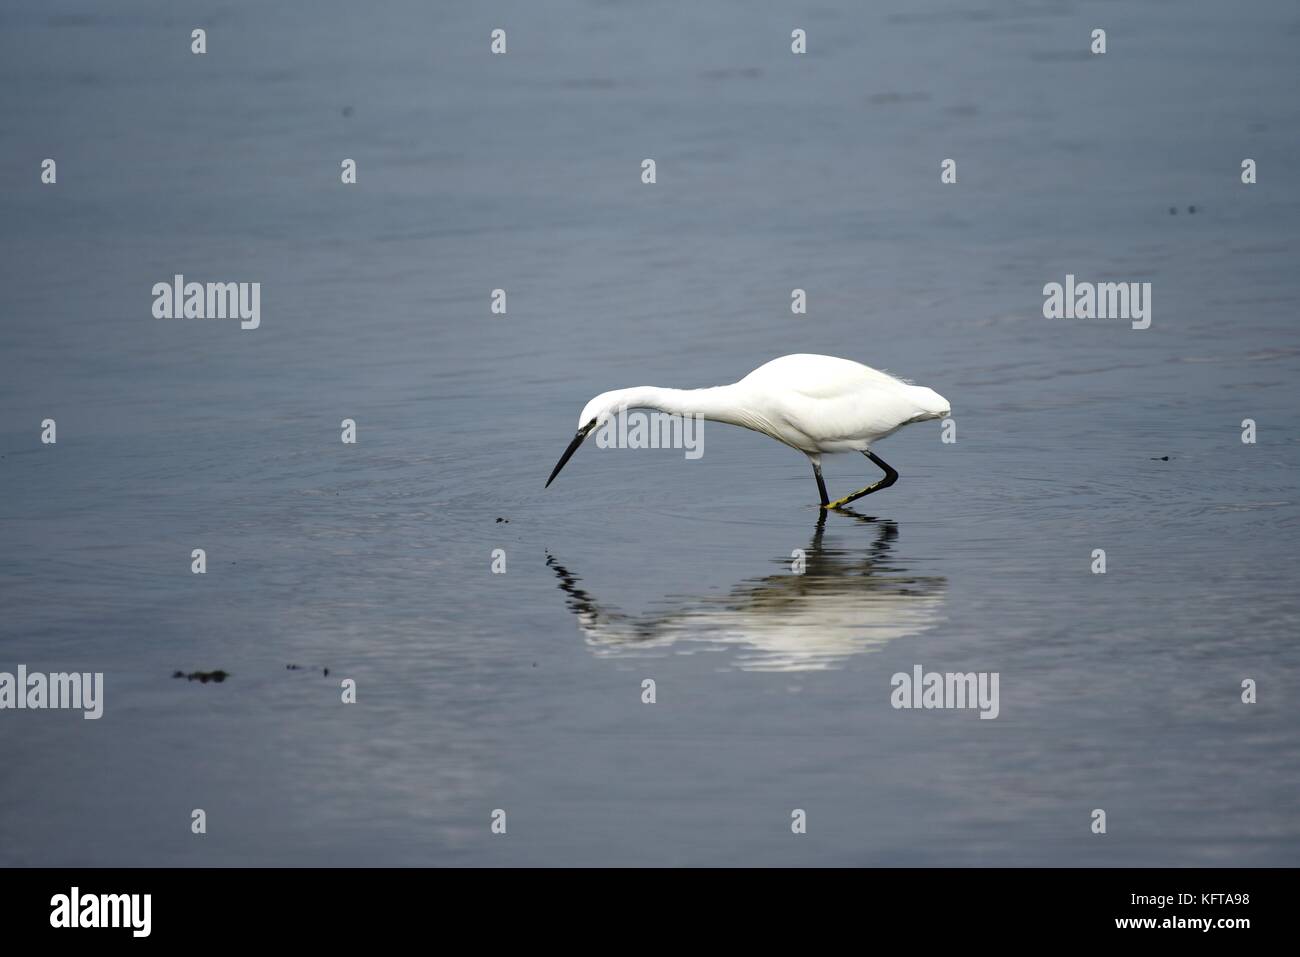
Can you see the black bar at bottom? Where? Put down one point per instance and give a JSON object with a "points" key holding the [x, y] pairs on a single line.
{"points": [[300, 906]]}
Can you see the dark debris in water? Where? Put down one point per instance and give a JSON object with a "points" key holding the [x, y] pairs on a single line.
{"points": [[203, 676], [501, 520], [324, 671]]}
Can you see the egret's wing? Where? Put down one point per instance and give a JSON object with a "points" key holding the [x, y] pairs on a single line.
{"points": [[821, 377], [869, 411], [833, 400]]}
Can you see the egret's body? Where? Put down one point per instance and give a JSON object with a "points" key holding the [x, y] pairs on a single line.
{"points": [[816, 404]]}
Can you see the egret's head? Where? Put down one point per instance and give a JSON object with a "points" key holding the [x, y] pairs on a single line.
{"points": [[600, 409], [594, 414]]}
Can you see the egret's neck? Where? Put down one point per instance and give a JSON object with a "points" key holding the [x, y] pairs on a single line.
{"points": [[719, 404]]}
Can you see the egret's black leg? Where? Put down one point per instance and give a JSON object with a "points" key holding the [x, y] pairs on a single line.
{"points": [[821, 485], [890, 478]]}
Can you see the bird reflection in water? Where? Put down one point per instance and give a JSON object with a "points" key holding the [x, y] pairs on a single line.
{"points": [[848, 601]]}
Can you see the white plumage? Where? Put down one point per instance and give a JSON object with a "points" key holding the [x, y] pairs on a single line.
{"points": [[825, 404], [816, 404]]}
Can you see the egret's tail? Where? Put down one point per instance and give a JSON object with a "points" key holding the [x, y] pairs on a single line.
{"points": [[931, 404]]}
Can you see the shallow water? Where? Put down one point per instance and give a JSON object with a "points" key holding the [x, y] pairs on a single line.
{"points": [[523, 691]]}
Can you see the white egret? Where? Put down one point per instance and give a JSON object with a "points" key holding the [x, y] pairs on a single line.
{"points": [[816, 404]]}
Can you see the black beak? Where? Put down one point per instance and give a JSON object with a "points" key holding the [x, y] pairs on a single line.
{"points": [[573, 447]]}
